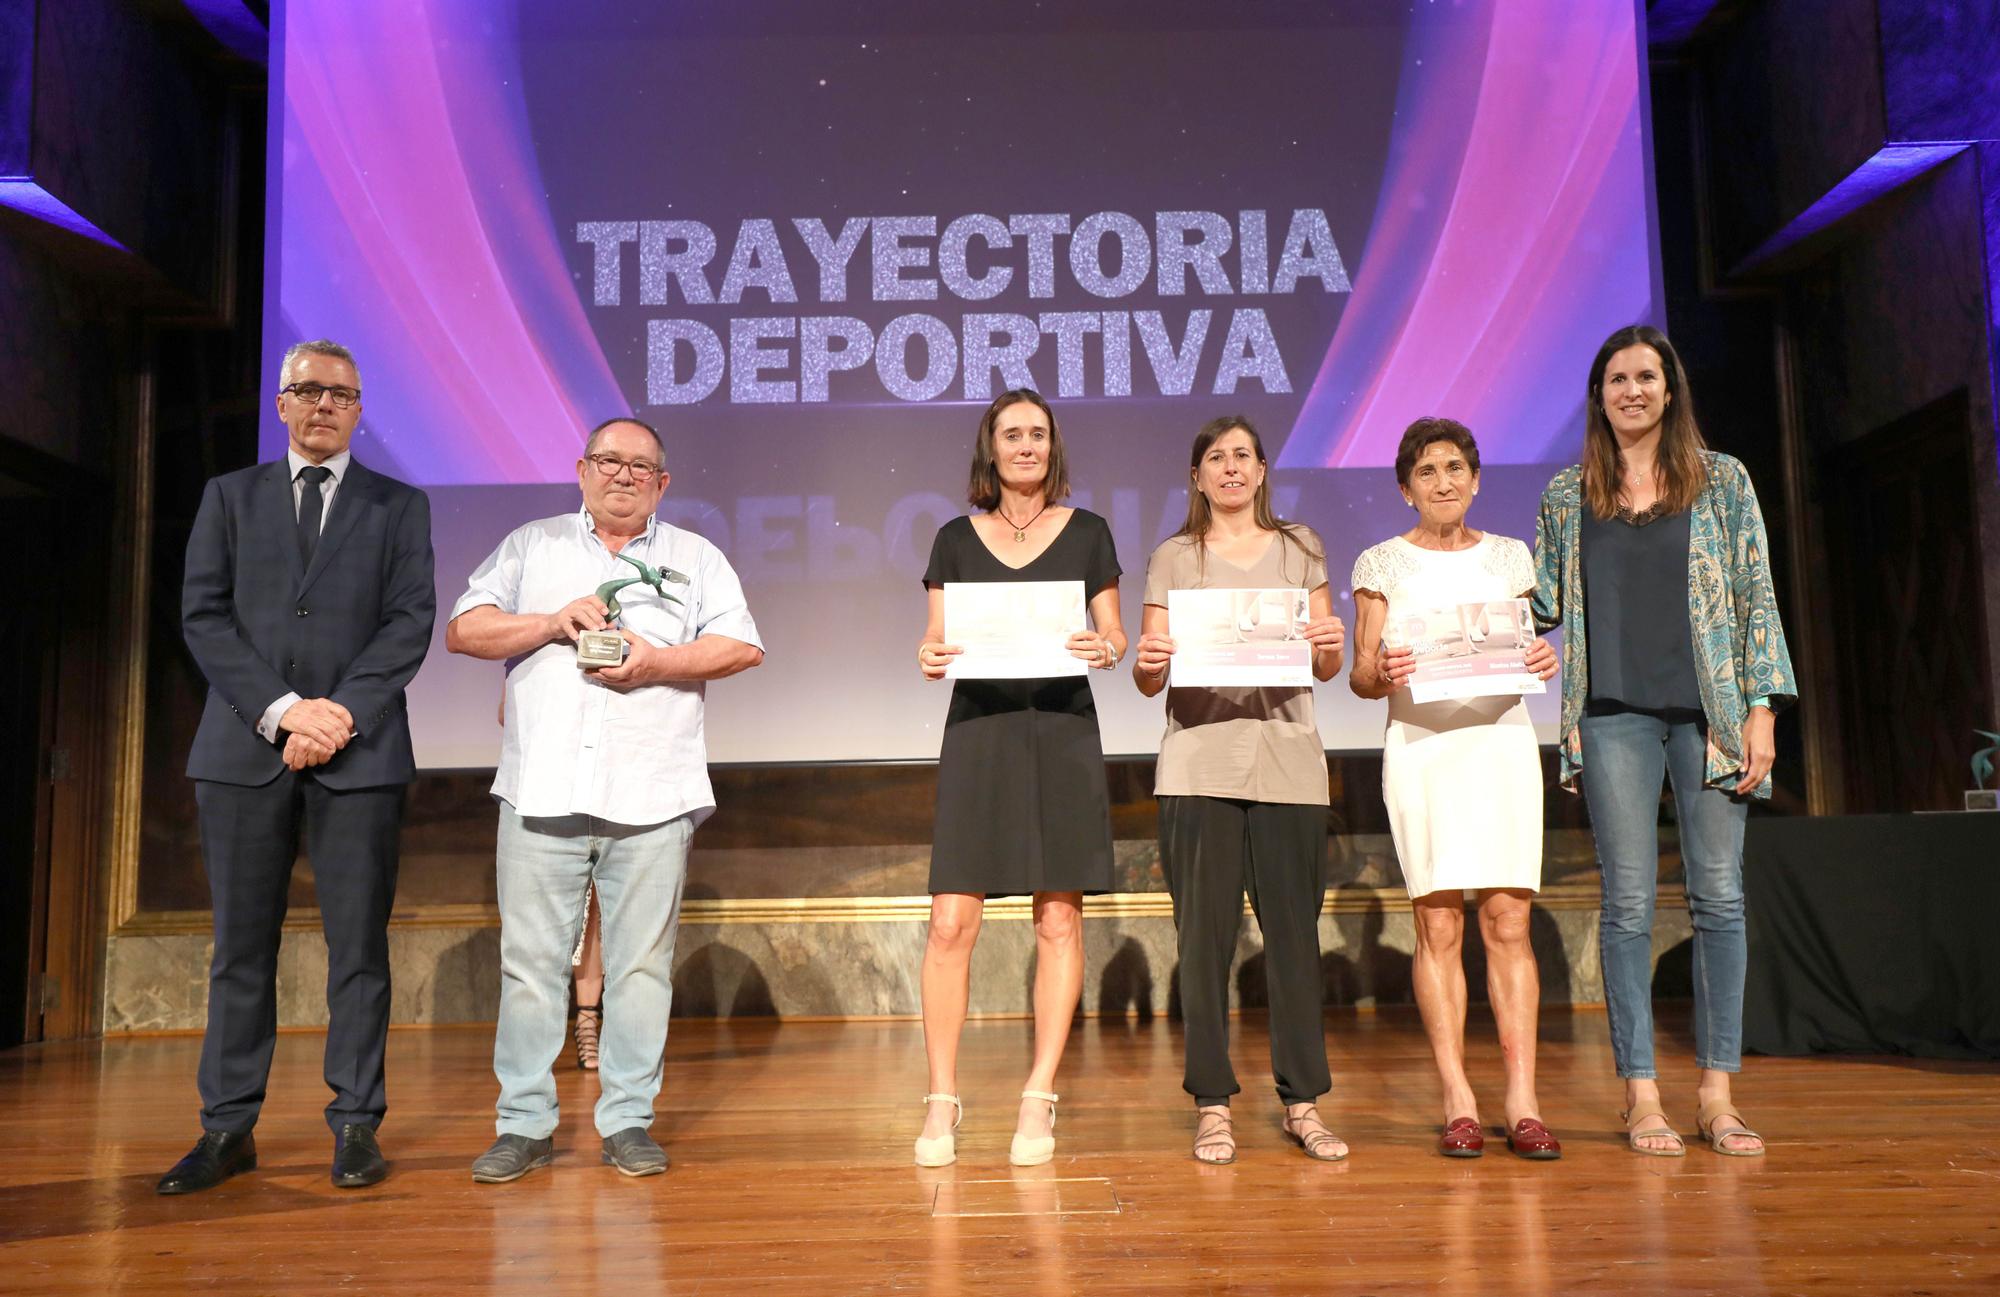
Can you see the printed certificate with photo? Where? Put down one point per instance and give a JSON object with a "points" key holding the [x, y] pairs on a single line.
{"points": [[1013, 630], [1239, 638], [1468, 650]]}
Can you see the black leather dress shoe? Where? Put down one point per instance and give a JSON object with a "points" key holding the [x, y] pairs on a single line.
{"points": [[357, 1158], [216, 1156]]}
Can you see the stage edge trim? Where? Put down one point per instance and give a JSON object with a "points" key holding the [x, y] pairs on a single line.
{"points": [[708, 912]]}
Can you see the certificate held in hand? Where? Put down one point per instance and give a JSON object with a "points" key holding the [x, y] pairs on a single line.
{"points": [[1013, 630], [1239, 638], [1468, 650]]}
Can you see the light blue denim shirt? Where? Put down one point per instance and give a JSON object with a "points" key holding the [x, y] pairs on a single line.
{"points": [[571, 744], [1739, 641]]}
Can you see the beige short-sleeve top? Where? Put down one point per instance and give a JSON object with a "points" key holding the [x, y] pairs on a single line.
{"points": [[1259, 745]]}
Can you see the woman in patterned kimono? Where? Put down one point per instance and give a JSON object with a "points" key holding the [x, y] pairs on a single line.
{"points": [[1675, 671]]}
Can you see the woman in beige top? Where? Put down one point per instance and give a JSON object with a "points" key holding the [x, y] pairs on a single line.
{"points": [[1242, 789]]}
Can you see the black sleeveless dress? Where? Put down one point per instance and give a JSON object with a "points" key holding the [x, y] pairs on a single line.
{"points": [[1021, 804]]}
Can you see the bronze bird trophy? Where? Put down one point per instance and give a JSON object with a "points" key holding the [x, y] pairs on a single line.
{"points": [[607, 648]]}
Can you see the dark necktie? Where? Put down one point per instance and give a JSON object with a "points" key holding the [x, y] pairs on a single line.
{"points": [[310, 508]]}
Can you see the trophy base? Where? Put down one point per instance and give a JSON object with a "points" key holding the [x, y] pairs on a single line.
{"points": [[600, 648], [1982, 799]]}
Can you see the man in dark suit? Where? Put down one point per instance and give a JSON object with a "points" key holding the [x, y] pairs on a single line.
{"points": [[308, 605]]}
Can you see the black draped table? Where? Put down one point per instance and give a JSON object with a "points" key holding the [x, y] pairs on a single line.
{"points": [[1875, 934]]}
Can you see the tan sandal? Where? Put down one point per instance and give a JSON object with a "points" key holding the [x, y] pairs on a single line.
{"points": [[1316, 1144], [1220, 1135], [1704, 1124], [1640, 1112]]}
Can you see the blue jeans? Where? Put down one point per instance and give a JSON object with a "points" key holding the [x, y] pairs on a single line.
{"points": [[545, 863], [1624, 757]]}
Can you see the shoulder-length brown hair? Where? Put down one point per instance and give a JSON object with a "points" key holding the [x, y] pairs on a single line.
{"points": [[1200, 517], [982, 491], [1678, 459]]}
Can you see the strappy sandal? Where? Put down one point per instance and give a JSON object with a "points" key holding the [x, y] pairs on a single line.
{"points": [[1638, 1113], [1704, 1124], [1220, 1135], [1315, 1143], [589, 1022], [943, 1150]]}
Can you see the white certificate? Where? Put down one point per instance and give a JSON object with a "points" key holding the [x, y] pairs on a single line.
{"points": [[1239, 638], [1012, 630], [1468, 650]]}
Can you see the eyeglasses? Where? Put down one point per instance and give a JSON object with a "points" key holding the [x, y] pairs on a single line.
{"points": [[344, 397], [608, 466]]}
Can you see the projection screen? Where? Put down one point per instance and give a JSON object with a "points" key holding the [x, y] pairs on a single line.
{"points": [[810, 242]]}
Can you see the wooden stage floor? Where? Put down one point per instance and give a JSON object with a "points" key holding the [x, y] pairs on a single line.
{"points": [[791, 1147]]}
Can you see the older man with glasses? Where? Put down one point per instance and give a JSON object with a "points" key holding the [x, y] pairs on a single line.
{"points": [[307, 603], [603, 777]]}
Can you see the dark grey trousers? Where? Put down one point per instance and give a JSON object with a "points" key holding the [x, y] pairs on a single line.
{"points": [[1213, 849], [249, 838]]}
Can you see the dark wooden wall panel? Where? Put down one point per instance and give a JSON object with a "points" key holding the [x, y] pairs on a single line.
{"points": [[1895, 316], [17, 85], [1941, 69], [1793, 92], [129, 125], [1896, 320], [66, 343], [1903, 507]]}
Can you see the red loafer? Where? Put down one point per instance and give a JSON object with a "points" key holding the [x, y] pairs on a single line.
{"points": [[1532, 1140], [1463, 1138]]}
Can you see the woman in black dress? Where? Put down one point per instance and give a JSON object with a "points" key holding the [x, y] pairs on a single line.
{"points": [[1022, 807]]}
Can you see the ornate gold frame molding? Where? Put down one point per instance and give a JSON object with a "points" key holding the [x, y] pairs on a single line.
{"points": [[128, 687]]}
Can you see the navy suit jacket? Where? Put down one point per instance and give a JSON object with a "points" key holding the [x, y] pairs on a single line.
{"points": [[353, 628]]}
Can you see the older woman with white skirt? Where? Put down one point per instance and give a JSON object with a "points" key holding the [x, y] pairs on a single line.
{"points": [[1462, 779]]}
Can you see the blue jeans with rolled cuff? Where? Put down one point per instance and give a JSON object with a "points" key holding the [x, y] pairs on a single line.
{"points": [[1625, 756]]}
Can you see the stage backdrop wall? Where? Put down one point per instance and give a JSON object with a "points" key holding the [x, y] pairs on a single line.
{"points": [[811, 242]]}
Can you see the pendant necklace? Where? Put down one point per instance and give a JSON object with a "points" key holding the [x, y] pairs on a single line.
{"points": [[1021, 528]]}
